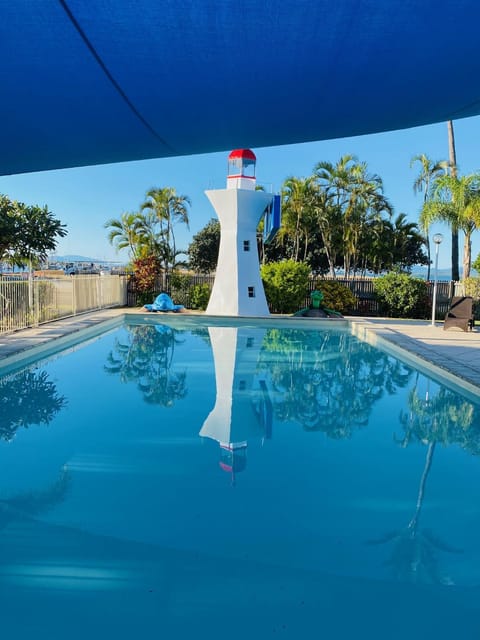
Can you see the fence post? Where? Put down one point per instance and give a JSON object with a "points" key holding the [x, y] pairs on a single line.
{"points": [[74, 301]]}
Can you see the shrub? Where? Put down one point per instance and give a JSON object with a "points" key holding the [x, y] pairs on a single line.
{"points": [[180, 287], [336, 296], [199, 296], [471, 286], [145, 272], [286, 285], [402, 296]]}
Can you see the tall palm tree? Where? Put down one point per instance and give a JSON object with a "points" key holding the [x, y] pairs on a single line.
{"points": [[357, 196], [452, 163], [169, 208], [456, 201], [298, 196], [429, 170], [329, 221]]}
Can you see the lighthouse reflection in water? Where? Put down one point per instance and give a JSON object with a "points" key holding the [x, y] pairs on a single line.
{"points": [[243, 408]]}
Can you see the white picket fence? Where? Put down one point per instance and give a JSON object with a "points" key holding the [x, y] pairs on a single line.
{"points": [[29, 302]]}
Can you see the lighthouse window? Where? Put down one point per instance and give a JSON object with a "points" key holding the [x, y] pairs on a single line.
{"points": [[246, 245], [251, 292], [242, 385]]}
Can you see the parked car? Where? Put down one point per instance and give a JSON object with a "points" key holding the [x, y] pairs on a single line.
{"points": [[80, 271], [70, 271]]}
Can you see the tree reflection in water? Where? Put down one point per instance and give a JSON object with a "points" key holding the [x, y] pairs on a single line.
{"points": [[327, 381], [146, 357], [27, 398], [34, 503], [444, 418]]}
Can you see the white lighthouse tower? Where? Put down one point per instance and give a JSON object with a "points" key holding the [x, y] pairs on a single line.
{"points": [[238, 288]]}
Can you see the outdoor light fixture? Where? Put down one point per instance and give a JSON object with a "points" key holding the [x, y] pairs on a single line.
{"points": [[437, 238]]}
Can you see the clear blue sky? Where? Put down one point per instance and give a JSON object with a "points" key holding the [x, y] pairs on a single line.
{"points": [[85, 198]]}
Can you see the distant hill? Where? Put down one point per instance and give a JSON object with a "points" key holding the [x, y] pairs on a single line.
{"points": [[77, 258]]}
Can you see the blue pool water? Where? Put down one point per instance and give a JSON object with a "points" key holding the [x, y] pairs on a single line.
{"points": [[175, 480]]}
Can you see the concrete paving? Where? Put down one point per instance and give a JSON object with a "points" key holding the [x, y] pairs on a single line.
{"points": [[456, 353]]}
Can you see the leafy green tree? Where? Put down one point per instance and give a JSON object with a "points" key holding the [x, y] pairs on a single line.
{"points": [[27, 232], [40, 232], [203, 250], [280, 248], [456, 201], [429, 170], [9, 225], [476, 264]]}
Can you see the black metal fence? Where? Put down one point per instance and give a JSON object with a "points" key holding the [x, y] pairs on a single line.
{"points": [[366, 300], [180, 290]]}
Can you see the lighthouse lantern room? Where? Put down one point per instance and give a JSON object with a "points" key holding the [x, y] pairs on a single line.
{"points": [[241, 169]]}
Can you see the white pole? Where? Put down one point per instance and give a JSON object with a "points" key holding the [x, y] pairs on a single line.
{"points": [[437, 238]]}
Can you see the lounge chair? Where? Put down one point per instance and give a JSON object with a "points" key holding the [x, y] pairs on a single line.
{"points": [[460, 314], [163, 302]]}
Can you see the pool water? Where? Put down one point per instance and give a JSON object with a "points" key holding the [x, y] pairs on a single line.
{"points": [[172, 479]]}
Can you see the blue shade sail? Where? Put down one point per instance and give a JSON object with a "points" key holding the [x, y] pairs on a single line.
{"points": [[91, 82]]}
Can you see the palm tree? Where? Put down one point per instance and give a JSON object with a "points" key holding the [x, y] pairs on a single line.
{"points": [[407, 243], [298, 196], [452, 163], [169, 208], [357, 197], [429, 170], [456, 201], [125, 233]]}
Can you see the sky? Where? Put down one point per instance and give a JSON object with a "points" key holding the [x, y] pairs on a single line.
{"points": [[85, 198]]}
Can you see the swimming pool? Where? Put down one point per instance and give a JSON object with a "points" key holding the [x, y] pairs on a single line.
{"points": [[176, 478]]}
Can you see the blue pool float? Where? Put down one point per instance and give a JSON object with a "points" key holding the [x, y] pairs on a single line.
{"points": [[163, 302]]}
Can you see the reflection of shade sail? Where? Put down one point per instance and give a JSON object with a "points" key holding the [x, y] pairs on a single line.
{"points": [[92, 82]]}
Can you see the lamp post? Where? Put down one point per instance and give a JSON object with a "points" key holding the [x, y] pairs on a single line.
{"points": [[437, 238]]}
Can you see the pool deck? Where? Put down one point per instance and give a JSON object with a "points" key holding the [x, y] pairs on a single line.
{"points": [[455, 352]]}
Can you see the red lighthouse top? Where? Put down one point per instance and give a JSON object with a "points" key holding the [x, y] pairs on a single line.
{"points": [[241, 169], [243, 153]]}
